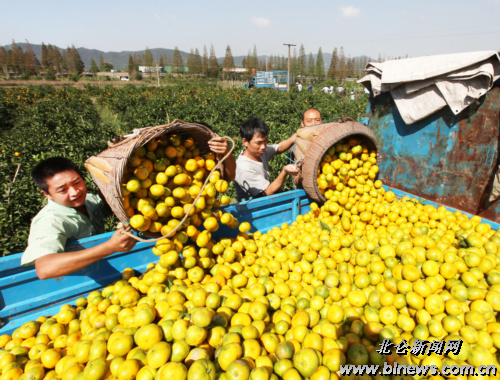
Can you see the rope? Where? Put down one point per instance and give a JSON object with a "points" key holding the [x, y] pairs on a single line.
{"points": [[121, 226]]}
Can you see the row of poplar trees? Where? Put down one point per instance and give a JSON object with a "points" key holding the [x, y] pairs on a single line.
{"points": [[53, 60], [194, 64], [300, 64], [309, 65]]}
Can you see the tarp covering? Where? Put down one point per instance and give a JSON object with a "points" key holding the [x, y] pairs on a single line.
{"points": [[423, 85]]}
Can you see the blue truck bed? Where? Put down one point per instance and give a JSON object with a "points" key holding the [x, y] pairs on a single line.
{"points": [[443, 160], [23, 297]]}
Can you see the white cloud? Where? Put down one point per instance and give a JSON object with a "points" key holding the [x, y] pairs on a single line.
{"points": [[261, 22], [350, 12]]}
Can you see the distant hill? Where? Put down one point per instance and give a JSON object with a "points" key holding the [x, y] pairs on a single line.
{"points": [[119, 60]]}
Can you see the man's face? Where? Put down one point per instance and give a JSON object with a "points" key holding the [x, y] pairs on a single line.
{"points": [[257, 145], [311, 117], [67, 189]]}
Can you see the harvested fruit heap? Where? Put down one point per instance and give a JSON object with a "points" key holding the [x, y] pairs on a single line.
{"points": [[295, 302], [345, 167]]}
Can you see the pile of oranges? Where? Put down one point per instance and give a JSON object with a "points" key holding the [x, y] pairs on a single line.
{"points": [[295, 302], [163, 181], [347, 171]]}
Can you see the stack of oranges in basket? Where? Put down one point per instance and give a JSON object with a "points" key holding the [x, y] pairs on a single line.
{"points": [[163, 182]]}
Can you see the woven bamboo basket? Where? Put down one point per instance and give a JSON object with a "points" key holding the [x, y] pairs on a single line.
{"points": [[107, 167], [313, 142]]}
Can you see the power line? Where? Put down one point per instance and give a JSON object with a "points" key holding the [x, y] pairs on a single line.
{"points": [[416, 37]]}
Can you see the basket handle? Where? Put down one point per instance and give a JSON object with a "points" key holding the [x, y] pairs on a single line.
{"points": [[171, 233], [136, 132]]}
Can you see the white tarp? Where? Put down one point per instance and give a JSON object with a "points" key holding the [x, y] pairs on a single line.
{"points": [[423, 85]]}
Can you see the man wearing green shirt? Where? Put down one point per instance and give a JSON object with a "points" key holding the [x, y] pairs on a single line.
{"points": [[71, 214]]}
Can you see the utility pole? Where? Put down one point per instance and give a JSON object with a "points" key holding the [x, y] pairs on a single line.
{"points": [[158, 73], [288, 73]]}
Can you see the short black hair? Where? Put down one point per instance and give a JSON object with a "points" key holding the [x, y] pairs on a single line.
{"points": [[48, 168], [252, 125]]}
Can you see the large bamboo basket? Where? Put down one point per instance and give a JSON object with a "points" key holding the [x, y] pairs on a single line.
{"points": [[313, 142], [107, 167]]}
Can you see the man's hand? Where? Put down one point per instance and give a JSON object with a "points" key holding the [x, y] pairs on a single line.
{"points": [[291, 169], [64, 263], [274, 187], [218, 145], [121, 242]]}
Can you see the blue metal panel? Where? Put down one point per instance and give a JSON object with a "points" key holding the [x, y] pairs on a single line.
{"points": [[271, 78], [268, 212], [445, 158], [22, 292]]}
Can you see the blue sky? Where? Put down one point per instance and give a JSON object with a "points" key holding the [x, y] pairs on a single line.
{"points": [[387, 27]]}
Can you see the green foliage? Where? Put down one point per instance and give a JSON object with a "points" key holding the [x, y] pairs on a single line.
{"points": [[40, 122], [93, 66]]}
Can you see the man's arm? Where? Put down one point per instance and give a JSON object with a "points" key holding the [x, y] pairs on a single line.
{"points": [[284, 145], [64, 263], [220, 146], [278, 182]]}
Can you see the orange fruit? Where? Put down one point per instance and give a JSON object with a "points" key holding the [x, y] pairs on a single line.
{"points": [[229, 353], [221, 186], [128, 369], [245, 227], [284, 350], [148, 335], [172, 371], [158, 354], [119, 344], [306, 362], [140, 223], [96, 369], [292, 374], [209, 164], [238, 369], [211, 224], [202, 369]]}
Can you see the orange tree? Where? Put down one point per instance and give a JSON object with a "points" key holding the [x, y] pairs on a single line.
{"points": [[37, 123]]}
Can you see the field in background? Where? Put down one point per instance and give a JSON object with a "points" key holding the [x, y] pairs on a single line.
{"points": [[101, 82]]}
